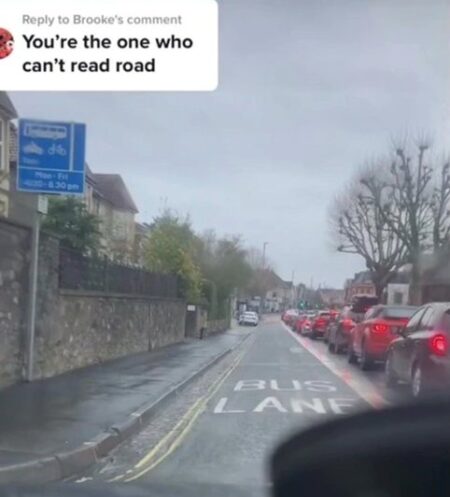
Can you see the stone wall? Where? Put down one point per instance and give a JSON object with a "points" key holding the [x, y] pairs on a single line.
{"points": [[89, 328], [73, 329], [217, 326], [14, 267]]}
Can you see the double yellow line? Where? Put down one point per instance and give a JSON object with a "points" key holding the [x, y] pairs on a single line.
{"points": [[175, 437]]}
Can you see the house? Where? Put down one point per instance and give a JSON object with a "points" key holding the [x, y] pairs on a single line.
{"points": [[7, 114], [108, 198], [141, 235], [434, 280], [331, 297], [397, 290], [360, 284], [435, 277], [281, 294]]}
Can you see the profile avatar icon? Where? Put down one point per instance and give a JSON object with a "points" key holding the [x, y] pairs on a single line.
{"points": [[6, 43]]}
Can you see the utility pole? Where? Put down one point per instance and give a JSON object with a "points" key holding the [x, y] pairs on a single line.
{"points": [[293, 288], [33, 287], [264, 254], [263, 297]]}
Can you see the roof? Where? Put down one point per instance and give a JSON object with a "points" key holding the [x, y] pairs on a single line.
{"points": [[6, 106], [276, 281], [113, 189], [362, 277], [332, 295]]}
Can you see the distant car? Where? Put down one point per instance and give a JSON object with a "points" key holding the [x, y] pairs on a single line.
{"points": [[249, 318], [370, 339], [319, 324], [420, 355], [289, 316]]}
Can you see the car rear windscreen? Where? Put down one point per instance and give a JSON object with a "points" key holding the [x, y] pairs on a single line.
{"points": [[398, 312], [360, 305]]}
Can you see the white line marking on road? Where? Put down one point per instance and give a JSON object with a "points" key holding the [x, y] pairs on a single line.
{"points": [[364, 389]]}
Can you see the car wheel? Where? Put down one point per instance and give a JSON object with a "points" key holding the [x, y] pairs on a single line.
{"points": [[351, 356], [419, 386], [312, 335], [366, 362], [391, 379], [331, 345], [337, 346]]}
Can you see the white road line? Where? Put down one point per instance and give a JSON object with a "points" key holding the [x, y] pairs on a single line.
{"points": [[363, 388]]}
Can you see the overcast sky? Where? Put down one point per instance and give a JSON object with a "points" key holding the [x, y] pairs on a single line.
{"points": [[308, 90]]}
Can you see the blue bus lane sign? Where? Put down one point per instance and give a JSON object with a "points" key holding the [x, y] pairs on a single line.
{"points": [[51, 157]]}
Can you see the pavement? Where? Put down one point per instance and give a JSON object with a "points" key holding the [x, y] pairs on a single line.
{"points": [[52, 428], [277, 387]]}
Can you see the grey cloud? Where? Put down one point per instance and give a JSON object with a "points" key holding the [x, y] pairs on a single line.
{"points": [[307, 91]]}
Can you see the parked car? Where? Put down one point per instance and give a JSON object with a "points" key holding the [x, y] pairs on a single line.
{"points": [[249, 318], [420, 355], [289, 315], [299, 322], [339, 332], [370, 339], [334, 314], [360, 304], [305, 328], [319, 324]]}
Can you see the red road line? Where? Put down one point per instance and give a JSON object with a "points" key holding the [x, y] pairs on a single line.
{"points": [[363, 388]]}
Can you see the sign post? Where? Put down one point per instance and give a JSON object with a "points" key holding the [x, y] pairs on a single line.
{"points": [[51, 160]]}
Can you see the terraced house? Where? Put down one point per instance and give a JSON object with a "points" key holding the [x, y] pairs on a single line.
{"points": [[107, 197], [7, 114]]}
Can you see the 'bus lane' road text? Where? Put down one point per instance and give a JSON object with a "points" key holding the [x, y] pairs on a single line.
{"points": [[288, 396]]}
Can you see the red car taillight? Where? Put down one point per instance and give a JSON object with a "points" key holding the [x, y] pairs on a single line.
{"points": [[348, 324], [380, 328], [438, 345]]}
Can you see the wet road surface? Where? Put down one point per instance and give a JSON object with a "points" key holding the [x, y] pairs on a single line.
{"points": [[279, 384]]}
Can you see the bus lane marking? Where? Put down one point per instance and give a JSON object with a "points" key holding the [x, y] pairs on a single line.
{"points": [[297, 403]]}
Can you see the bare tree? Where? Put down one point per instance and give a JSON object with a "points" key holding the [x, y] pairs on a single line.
{"points": [[408, 207], [440, 202], [359, 227]]}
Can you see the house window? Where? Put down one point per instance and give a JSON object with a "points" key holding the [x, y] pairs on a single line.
{"points": [[398, 298]]}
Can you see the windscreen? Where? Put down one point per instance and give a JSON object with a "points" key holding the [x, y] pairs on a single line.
{"points": [[179, 181]]}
